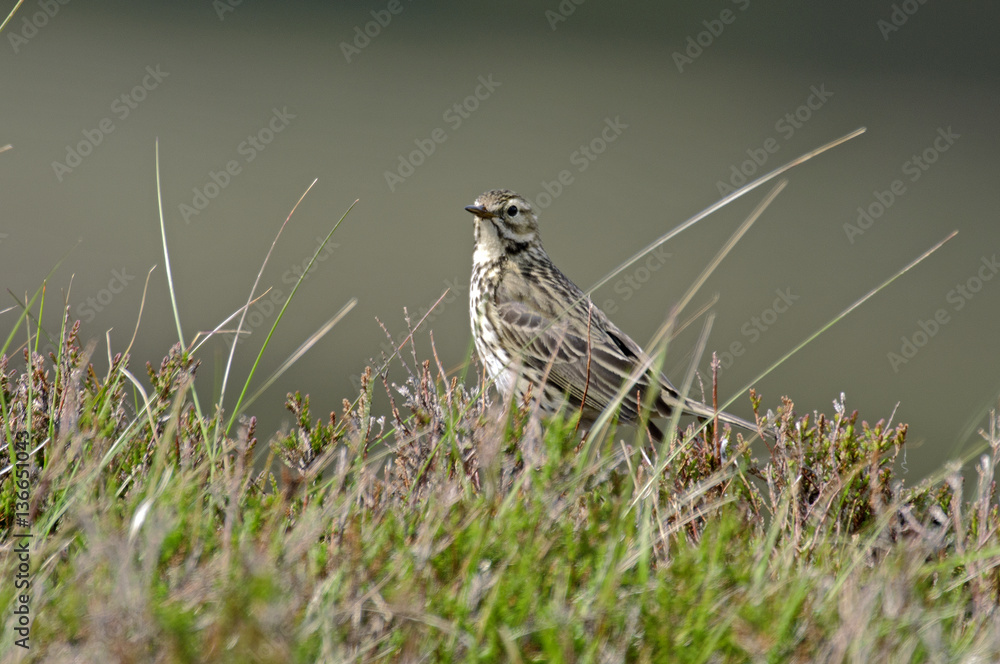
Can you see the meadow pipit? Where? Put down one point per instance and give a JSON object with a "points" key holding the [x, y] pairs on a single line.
{"points": [[535, 329]]}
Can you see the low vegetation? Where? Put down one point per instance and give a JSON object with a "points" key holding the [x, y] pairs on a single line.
{"points": [[454, 529]]}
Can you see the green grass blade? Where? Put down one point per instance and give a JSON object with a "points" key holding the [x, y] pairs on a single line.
{"points": [[166, 251], [253, 290], [270, 333], [833, 321], [300, 351]]}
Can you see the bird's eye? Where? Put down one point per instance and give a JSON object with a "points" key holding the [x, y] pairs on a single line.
{"points": [[512, 211]]}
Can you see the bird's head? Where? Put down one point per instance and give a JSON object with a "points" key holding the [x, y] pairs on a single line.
{"points": [[505, 223]]}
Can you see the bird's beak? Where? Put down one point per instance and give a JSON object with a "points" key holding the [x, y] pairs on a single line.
{"points": [[479, 211]]}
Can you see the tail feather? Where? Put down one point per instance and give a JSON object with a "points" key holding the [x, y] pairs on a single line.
{"points": [[701, 410]]}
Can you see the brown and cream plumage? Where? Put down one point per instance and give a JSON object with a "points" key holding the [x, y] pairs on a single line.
{"points": [[533, 327]]}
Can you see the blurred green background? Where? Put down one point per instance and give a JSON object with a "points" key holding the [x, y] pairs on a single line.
{"points": [[644, 110]]}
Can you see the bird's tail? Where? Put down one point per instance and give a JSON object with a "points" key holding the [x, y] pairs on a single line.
{"points": [[701, 410], [737, 421]]}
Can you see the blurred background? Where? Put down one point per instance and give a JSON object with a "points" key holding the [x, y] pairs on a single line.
{"points": [[618, 120]]}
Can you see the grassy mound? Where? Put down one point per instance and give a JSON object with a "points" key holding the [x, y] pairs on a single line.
{"points": [[457, 530]]}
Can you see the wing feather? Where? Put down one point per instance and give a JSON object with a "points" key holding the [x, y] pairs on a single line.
{"points": [[577, 357]]}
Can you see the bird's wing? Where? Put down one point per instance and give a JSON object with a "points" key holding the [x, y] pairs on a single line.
{"points": [[581, 350]]}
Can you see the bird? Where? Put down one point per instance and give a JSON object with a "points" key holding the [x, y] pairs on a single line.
{"points": [[538, 333]]}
